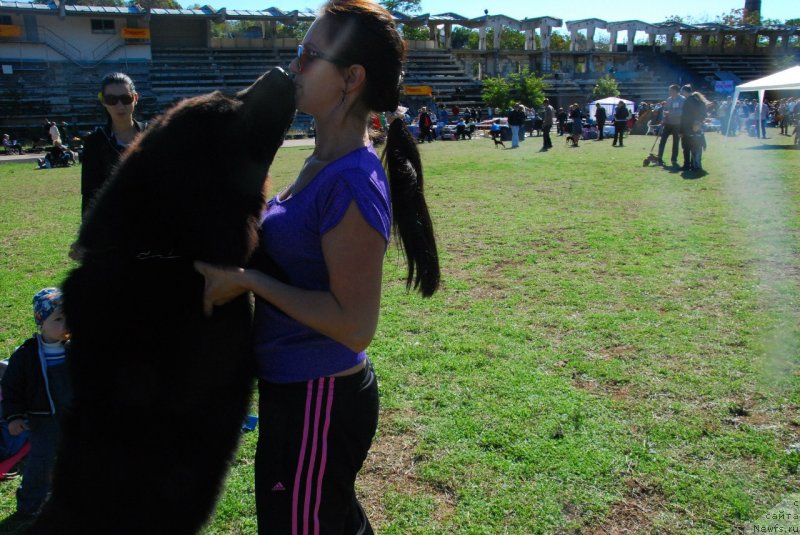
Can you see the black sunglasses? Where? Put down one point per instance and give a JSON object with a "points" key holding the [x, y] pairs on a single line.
{"points": [[306, 55], [111, 100]]}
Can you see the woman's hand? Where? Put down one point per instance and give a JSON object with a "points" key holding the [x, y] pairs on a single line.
{"points": [[223, 284], [16, 427]]}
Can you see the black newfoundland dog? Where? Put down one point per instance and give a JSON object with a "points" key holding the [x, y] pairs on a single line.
{"points": [[160, 390]]}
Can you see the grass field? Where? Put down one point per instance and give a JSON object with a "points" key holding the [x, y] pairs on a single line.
{"points": [[615, 349]]}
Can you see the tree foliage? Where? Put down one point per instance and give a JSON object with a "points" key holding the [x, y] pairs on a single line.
{"points": [[524, 87], [404, 6], [416, 33], [736, 17], [297, 31], [468, 38], [527, 88], [164, 4], [606, 87], [496, 92], [460, 38], [559, 41], [512, 39], [104, 3]]}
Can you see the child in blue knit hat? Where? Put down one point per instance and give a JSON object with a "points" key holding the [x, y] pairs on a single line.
{"points": [[35, 389]]}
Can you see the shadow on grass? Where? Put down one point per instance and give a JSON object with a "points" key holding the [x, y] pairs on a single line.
{"points": [[686, 174], [774, 147], [693, 175]]}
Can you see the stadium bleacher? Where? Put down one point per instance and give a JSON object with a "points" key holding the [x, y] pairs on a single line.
{"points": [[67, 92]]}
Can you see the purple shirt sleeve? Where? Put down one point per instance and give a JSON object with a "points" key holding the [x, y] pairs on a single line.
{"points": [[366, 190]]}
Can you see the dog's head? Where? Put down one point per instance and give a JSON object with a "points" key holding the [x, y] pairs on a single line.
{"points": [[194, 181]]}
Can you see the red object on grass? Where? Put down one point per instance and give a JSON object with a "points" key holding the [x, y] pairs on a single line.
{"points": [[8, 464]]}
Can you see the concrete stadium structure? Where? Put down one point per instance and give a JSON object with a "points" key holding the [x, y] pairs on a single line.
{"points": [[54, 55]]}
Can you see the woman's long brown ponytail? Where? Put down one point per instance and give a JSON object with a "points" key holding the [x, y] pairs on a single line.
{"points": [[365, 34], [410, 217]]}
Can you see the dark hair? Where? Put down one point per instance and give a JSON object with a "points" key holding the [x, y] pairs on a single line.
{"points": [[674, 87], [117, 78], [687, 89], [365, 34]]}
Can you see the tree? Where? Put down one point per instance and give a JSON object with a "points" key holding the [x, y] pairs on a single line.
{"points": [[297, 30], [792, 22], [496, 92], [462, 37], [736, 17], [164, 4], [404, 6], [104, 3], [559, 41], [509, 39], [416, 33], [512, 39], [605, 87], [527, 88]]}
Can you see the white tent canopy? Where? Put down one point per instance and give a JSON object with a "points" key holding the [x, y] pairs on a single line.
{"points": [[788, 79], [610, 103]]}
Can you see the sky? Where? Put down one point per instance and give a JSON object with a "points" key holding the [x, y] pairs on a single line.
{"points": [[572, 10]]}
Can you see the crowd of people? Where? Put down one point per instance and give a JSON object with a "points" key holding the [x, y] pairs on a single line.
{"points": [[746, 117], [665, 119]]}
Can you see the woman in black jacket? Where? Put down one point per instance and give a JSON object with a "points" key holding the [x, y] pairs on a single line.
{"points": [[621, 115], [577, 123], [102, 149], [692, 137]]}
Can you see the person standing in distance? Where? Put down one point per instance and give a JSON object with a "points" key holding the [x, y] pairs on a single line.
{"points": [[105, 145], [671, 124], [516, 119], [547, 124], [600, 117]]}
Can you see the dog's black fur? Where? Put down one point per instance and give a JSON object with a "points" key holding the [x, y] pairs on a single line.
{"points": [[498, 141], [571, 139], [160, 390]]}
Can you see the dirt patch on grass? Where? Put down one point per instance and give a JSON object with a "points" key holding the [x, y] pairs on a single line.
{"points": [[616, 390], [634, 513], [390, 466], [623, 352]]}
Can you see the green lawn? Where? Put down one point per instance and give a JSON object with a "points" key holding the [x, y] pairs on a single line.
{"points": [[615, 349]]}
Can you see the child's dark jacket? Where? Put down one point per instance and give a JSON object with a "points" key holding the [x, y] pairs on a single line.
{"points": [[24, 385]]}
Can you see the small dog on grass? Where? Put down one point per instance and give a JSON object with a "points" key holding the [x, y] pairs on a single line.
{"points": [[498, 141], [572, 139], [651, 159]]}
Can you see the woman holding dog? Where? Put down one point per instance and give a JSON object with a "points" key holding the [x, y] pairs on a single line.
{"points": [[329, 230], [103, 147]]}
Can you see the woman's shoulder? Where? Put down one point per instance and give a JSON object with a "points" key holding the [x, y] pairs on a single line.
{"points": [[360, 169], [361, 162], [99, 135]]}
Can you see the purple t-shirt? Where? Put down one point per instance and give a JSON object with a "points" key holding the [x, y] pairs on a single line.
{"points": [[288, 351]]}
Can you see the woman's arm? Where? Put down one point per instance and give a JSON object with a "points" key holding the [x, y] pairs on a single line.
{"points": [[348, 312]]}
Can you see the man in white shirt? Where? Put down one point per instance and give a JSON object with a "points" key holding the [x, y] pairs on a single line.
{"points": [[54, 133], [671, 124]]}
